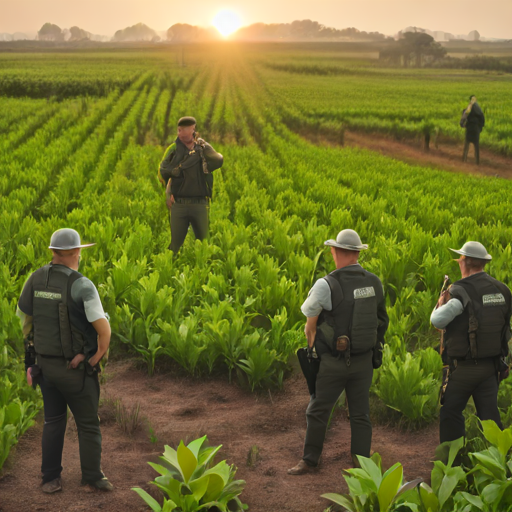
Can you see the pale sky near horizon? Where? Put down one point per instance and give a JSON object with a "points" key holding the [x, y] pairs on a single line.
{"points": [[492, 18]]}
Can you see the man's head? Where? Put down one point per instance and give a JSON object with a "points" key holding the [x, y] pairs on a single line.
{"points": [[187, 129], [346, 248], [66, 247], [472, 99], [473, 258]]}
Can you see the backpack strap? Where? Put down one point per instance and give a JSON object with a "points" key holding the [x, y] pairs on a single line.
{"points": [[336, 291]]}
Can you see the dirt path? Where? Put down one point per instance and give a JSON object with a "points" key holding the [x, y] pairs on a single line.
{"points": [[183, 408], [448, 156]]}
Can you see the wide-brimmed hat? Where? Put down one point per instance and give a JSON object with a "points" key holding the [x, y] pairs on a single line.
{"points": [[66, 239], [473, 250], [347, 239]]}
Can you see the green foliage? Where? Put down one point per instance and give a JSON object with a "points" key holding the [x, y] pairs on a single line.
{"points": [[191, 481], [370, 489]]}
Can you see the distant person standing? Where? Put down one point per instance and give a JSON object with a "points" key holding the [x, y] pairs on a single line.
{"points": [[186, 171], [473, 120]]}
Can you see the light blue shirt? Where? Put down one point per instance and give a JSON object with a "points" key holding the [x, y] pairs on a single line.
{"points": [[444, 314]]}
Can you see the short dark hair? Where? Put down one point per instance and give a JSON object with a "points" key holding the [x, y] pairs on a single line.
{"points": [[475, 263], [472, 96]]}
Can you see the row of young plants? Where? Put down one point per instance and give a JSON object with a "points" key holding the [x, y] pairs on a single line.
{"points": [[231, 303], [401, 103]]}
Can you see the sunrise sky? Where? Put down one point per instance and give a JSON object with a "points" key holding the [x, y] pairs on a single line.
{"points": [[492, 18]]}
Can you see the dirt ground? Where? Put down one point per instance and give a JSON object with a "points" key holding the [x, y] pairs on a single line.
{"points": [[448, 155], [184, 408]]}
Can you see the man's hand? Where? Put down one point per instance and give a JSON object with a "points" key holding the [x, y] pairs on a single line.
{"points": [[170, 201], [76, 361]]}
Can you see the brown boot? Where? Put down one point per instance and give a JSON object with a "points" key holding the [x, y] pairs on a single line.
{"points": [[52, 486], [301, 469]]}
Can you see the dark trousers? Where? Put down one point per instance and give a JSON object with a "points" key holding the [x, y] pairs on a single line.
{"points": [[185, 215], [334, 376], [475, 140], [74, 388], [469, 379]]}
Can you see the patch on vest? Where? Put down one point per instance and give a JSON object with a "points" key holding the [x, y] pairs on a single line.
{"points": [[364, 293], [493, 299], [47, 295]]}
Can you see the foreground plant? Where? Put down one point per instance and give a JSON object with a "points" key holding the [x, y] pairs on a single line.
{"points": [[371, 490], [191, 482]]}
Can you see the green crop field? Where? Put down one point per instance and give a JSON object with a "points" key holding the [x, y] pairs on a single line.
{"points": [[82, 135]]}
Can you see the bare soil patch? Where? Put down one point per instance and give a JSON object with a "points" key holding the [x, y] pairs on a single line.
{"points": [[447, 156], [185, 408]]}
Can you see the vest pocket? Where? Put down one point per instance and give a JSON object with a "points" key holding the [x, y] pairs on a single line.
{"points": [[364, 325]]}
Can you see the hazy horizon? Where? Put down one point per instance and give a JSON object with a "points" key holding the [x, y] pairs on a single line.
{"points": [[385, 16]]}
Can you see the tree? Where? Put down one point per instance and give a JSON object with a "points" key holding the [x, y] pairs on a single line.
{"points": [[413, 47], [138, 32], [182, 32], [50, 32], [78, 34]]}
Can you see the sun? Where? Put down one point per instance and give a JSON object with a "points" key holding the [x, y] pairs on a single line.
{"points": [[227, 22]]}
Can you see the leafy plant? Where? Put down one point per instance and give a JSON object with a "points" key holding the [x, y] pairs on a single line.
{"points": [[191, 482]]}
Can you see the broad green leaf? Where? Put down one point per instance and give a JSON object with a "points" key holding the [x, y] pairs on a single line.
{"points": [[199, 486], [476, 501], [391, 481], [488, 460], [171, 457], [187, 461], [372, 469], [450, 481], [428, 498], [169, 506], [215, 487], [195, 446], [340, 499], [500, 439], [150, 501]]}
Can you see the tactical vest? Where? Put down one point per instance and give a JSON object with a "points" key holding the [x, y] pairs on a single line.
{"points": [[480, 330], [355, 295], [61, 328], [191, 181]]}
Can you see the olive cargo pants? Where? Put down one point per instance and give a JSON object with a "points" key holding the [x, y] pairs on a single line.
{"points": [[182, 216], [479, 380], [63, 387], [333, 377]]}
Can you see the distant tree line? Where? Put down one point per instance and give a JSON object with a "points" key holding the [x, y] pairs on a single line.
{"points": [[478, 62], [304, 30]]}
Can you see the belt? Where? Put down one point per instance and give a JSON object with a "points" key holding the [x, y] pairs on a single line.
{"points": [[192, 200]]}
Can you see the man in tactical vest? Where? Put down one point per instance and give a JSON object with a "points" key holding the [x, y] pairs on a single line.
{"points": [[186, 172], [346, 322], [475, 314], [66, 334]]}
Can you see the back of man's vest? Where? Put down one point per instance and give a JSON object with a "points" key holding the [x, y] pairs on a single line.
{"points": [[355, 294], [53, 332], [480, 331]]}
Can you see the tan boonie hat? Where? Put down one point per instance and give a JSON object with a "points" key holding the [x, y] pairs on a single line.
{"points": [[347, 239], [66, 239], [473, 250]]}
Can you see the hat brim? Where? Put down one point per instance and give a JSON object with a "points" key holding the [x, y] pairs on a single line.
{"points": [[462, 253], [70, 248], [358, 248]]}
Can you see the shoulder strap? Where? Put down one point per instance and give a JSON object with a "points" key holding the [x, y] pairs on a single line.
{"points": [[336, 291]]}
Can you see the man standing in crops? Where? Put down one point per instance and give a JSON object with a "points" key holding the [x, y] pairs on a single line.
{"points": [[185, 171], [66, 333], [346, 322], [475, 313], [473, 121]]}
